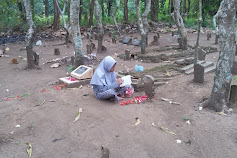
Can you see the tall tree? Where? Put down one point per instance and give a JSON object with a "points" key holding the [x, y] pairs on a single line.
{"points": [[65, 25], [198, 35], [91, 13], [46, 8], [143, 23], [226, 17], [32, 4], [109, 5], [114, 18], [125, 12], [154, 10], [102, 9], [78, 46], [171, 6], [56, 20], [184, 9], [101, 29], [180, 24], [81, 9], [31, 55], [21, 10]]}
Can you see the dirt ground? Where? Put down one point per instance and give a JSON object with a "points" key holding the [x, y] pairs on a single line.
{"points": [[52, 134]]}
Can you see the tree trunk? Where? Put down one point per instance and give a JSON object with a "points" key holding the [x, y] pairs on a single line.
{"points": [[46, 8], [81, 9], [220, 93], [179, 22], [65, 25], [154, 10], [109, 5], [102, 8], [171, 6], [125, 16], [91, 13], [188, 11], [78, 46], [32, 4], [143, 23], [56, 21], [198, 73], [68, 13], [184, 9], [101, 29], [113, 15], [198, 35], [20, 7], [29, 36]]}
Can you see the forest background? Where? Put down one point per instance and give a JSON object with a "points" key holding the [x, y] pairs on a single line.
{"points": [[12, 13]]}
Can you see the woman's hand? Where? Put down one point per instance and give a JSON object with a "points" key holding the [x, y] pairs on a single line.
{"points": [[119, 81]]}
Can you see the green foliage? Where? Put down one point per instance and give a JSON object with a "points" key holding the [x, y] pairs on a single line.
{"points": [[191, 22]]}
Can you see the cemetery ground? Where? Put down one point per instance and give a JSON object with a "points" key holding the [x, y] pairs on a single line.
{"points": [[45, 114]]}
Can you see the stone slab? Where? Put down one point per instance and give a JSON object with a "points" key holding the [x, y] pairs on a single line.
{"points": [[188, 67], [127, 40], [234, 68], [136, 42], [209, 67], [73, 84]]}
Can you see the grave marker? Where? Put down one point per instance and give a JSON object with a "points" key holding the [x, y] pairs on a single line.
{"points": [[208, 36], [56, 51], [155, 41], [149, 85], [216, 39], [233, 93], [92, 45], [104, 48], [88, 49], [198, 73], [82, 72], [201, 54], [127, 54]]}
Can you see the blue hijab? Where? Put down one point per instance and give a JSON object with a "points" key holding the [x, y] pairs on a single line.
{"points": [[102, 75]]}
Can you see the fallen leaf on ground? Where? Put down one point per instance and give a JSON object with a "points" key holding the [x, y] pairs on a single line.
{"points": [[138, 121], [166, 130], [186, 118], [221, 113], [29, 149], [55, 65], [78, 114], [14, 61], [41, 103], [167, 73], [26, 94]]}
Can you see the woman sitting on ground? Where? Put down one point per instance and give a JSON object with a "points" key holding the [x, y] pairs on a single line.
{"points": [[104, 82]]}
